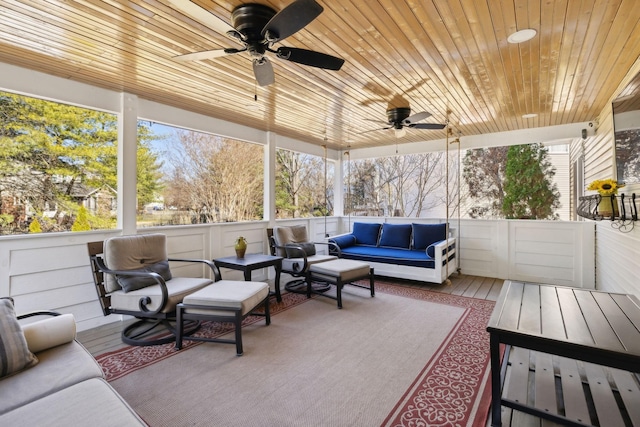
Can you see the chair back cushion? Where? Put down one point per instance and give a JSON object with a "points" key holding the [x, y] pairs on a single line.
{"points": [[366, 233], [427, 234], [396, 236], [294, 234], [142, 252]]}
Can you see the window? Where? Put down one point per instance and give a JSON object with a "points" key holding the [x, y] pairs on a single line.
{"points": [[200, 178], [57, 166], [304, 185]]}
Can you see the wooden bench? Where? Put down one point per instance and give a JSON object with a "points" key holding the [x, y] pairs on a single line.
{"points": [[585, 393], [571, 355]]}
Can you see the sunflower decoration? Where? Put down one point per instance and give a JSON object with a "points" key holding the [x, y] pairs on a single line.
{"points": [[605, 187]]}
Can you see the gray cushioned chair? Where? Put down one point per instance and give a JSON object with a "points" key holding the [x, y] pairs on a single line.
{"points": [[132, 277], [299, 253]]}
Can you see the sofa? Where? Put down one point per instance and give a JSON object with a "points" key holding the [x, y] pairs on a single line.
{"points": [[47, 378], [421, 252]]}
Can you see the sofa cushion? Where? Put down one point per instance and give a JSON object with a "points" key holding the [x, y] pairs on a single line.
{"points": [[389, 256], [58, 368], [132, 283], [50, 332], [14, 352], [89, 403], [344, 241], [366, 233], [427, 234], [396, 236]]}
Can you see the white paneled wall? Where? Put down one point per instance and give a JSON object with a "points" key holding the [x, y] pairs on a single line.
{"points": [[51, 271], [618, 255]]}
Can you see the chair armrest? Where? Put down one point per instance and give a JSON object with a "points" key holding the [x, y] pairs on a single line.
{"points": [[143, 301], [216, 271]]}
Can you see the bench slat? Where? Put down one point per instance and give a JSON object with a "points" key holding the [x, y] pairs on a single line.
{"points": [[545, 383], [517, 388], [629, 388], [575, 403], [603, 399]]}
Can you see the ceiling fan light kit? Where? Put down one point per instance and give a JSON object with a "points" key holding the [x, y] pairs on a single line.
{"points": [[258, 27]]}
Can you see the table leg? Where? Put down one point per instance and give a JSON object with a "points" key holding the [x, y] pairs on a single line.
{"points": [[278, 268], [496, 406], [247, 274]]}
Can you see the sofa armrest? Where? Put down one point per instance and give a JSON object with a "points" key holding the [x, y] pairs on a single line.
{"points": [[50, 332], [339, 242], [438, 250]]}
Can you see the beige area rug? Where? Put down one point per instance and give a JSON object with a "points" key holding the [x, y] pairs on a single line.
{"points": [[405, 357]]}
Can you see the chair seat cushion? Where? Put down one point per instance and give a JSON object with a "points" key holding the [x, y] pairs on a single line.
{"points": [[296, 264], [344, 269], [178, 288], [233, 294]]}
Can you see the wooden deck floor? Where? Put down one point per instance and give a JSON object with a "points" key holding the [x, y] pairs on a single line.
{"points": [[107, 338]]}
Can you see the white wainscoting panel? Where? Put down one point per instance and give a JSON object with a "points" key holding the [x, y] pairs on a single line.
{"points": [[618, 259], [555, 252]]}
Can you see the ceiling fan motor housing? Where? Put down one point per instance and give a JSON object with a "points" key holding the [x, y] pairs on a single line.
{"points": [[249, 20], [395, 116]]}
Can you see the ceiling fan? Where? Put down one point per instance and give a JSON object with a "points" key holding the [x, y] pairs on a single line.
{"points": [[258, 27], [401, 118]]}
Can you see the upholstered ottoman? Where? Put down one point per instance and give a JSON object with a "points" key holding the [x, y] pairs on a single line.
{"points": [[340, 272], [223, 301]]}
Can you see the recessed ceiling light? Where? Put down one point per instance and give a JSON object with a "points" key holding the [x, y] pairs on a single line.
{"points": [[529, 116], [522, 36]]}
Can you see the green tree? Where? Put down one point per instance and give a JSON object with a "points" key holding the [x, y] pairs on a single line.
{"points": [[300, 187], [484, 173], [529, 191], [82, 220], [51, 152], [35, 227]]}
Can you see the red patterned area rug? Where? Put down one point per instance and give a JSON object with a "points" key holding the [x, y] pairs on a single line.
{"points": [[118, 363], [453, 388]]}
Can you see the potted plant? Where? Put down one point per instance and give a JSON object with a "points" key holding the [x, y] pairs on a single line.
{"points": [[607, 188]]}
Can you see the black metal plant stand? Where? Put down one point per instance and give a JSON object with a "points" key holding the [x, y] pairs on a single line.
{"points": [[625, 217]]}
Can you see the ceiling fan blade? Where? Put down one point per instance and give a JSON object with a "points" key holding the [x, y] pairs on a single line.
{"points": [[378, 121], [416, 117], [291, 19], [373, 130], [207, 54], [432, 126], [201, 15], [310, 57], [263, 71]]}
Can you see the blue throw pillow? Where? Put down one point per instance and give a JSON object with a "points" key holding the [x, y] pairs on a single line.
{"points": [[427, 234], [344, 241], [396, 235], [366, 233]]}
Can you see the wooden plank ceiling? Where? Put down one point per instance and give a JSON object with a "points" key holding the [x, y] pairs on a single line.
{"points": [[431, 55]]}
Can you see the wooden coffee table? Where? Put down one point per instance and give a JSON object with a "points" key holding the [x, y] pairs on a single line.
{"points": [[252, 262], [547, 330]]}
